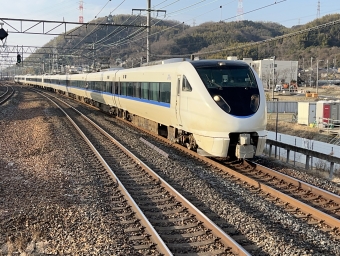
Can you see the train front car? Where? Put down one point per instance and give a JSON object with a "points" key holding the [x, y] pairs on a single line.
{"points": [[228, 118]]}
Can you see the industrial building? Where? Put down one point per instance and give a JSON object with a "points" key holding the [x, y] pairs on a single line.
{"points": [[272, 71]]}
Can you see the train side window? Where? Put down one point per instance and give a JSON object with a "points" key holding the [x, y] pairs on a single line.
{"points": [[123, 88], [165, 89], [130, 89], [145, 90], [107, 86], [154, 91], [110, 87], [115, 88], [186, 85], [136, 87]]}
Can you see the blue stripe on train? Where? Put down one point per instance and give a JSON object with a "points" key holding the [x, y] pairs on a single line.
{"points": [[162, 104]]}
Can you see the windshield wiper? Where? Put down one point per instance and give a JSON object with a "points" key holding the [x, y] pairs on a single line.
{"points": [[213, 83]]}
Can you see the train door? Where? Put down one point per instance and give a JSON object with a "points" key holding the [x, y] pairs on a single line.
{"points": [[117, 101], [178, 101]]}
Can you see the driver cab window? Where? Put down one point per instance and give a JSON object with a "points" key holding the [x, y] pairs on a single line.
{"points": [[186, 85]]}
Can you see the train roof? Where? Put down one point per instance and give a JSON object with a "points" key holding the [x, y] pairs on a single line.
{"points": [[209, 63]]}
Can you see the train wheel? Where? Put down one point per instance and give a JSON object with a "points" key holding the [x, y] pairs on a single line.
{"points": [[192, 142]]}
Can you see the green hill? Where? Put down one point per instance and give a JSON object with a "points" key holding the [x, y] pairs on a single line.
{"points": [[127, 46]]}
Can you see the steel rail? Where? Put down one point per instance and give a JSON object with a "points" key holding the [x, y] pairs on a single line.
{"points": [[9, 94], [154, 235], [301, 184], [215, 230], [309, 211]]}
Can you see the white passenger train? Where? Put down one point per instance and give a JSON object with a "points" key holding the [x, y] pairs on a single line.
{"points": [[216, 107]]}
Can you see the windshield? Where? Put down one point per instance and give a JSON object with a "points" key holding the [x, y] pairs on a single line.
{"points": [[232, 86], [227, 76]]}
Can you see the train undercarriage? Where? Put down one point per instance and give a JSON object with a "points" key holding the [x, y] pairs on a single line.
{"points": [[173, 134]]}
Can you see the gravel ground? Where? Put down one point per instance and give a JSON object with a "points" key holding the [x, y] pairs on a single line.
{"points": [[41, 164], [273, 230], [307, 176], [41, 171]]}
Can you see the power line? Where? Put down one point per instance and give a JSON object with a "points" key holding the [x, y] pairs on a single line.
{"points": [[204, 14], [332, 23], [102, 9], [257, 9]]}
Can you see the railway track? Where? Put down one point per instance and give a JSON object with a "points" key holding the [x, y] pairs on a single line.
{"points": [[231, 224], [4, 96], [314, 205], [172, 224]]}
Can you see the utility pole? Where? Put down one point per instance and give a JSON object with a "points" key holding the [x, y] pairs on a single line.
{"points": [[311, 70], [148, 32], [317, 75], [273, 58], [303, 64], [148, 26], [327, 73]]}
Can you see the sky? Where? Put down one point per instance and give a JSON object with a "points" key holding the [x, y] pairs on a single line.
{"points": [[192, 12]]}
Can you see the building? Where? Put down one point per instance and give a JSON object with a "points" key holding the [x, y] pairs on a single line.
{"points": [[280, 71]]}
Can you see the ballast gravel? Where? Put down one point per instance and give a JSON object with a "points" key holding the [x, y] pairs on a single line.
{"points": [[41, 167]]}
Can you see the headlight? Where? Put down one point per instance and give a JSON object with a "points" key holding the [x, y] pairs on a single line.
{"points": [[222, 103], [254, 102], [217, 98]]}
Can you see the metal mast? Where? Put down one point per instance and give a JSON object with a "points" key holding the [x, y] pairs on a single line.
{"points": [[240, 10], [148, 26], [148, 31], [318, 11], [81, 7]]}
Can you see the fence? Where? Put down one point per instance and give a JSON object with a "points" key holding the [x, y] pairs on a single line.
{"points": [[283, 107]]}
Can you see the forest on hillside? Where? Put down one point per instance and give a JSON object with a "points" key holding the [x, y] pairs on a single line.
{"points": [[126, 46]]}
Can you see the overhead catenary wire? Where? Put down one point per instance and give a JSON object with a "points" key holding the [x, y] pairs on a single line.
{"points": [[133, 37], [332, 23], [96, 26], [102, 8], [168, 16], [128, 38], [257, 9], [179, 9], [135, 34], [117, 7]]}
